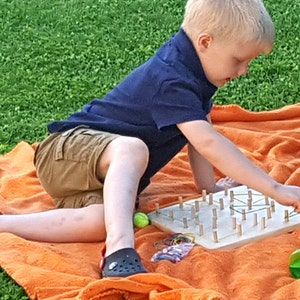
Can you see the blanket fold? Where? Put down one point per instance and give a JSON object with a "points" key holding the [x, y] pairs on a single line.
{"points": [[259, 270]]}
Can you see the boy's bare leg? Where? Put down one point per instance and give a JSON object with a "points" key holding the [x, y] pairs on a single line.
{"points": [[122, 164], [58, 225]]}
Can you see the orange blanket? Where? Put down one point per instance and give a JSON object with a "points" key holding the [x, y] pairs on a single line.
{"points": [[69, 271]]}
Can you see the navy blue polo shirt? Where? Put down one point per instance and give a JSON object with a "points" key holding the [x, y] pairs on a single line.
{"points": [[168, 89]]}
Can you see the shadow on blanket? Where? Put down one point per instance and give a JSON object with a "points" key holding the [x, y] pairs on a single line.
{"points": [[69, 271]]}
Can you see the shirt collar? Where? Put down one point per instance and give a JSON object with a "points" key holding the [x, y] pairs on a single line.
{"points": [[190, 58]]}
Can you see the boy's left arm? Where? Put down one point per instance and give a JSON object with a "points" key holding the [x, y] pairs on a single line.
{"points": [[202, 169], [224, 155], [203, 172]]}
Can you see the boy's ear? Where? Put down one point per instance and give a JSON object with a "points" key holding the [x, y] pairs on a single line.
{"points": [[204, 41]]}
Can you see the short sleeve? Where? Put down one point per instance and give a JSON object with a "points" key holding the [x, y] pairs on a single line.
{"points": [[179, 102]]}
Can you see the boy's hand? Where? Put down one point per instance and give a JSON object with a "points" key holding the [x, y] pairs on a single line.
{"points": [[226, 182], [288, 195]]}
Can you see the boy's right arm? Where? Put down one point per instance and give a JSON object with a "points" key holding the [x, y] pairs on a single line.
{"points": [[226, 157]]}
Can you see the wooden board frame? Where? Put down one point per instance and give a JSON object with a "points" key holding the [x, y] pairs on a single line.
{"points": [[227, 219]]}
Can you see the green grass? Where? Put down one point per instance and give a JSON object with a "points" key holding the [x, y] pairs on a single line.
{"points": [[57, 55]]}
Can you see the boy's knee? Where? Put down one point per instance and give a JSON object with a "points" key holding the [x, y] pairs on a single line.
{"points": [[134, 148], [125, 152]]}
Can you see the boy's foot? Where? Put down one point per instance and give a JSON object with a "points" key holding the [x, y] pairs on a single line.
{"points": [[122, 263]]}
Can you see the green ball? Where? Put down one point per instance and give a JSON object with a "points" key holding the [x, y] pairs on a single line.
{"points": [[294, 264], [140, 220]]}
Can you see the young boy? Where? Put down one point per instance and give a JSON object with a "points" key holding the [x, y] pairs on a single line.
{"points": [[96, 162]]}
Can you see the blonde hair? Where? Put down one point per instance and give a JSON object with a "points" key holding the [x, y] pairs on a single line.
{"points": [[246, 20]]}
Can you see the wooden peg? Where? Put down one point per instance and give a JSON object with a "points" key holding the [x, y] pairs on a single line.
{"points": [[255, 222], [269, 214], [157, 208], [193, 211], [185, 223], [203, 195], [221, 202], [210, 199], [233, 222], [215, 236], [171, 215], [197, 205], [263, 223], [286, 216], [201, 230], [250, 194], [231, 196], [231, 210], [239, 229], [180, 200], [243, 214], [249, 202], [214, 212], [214, 223], [267, 202], [272, 205], [226, 190]]}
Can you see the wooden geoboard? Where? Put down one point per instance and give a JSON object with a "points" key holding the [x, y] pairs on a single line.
{"points": [[227, 219]]}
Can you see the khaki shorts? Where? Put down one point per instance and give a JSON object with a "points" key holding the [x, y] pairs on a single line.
{"points": [[66, 165]]}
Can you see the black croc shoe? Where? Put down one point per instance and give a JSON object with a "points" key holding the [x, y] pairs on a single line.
{"points": [[122, 263]]}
